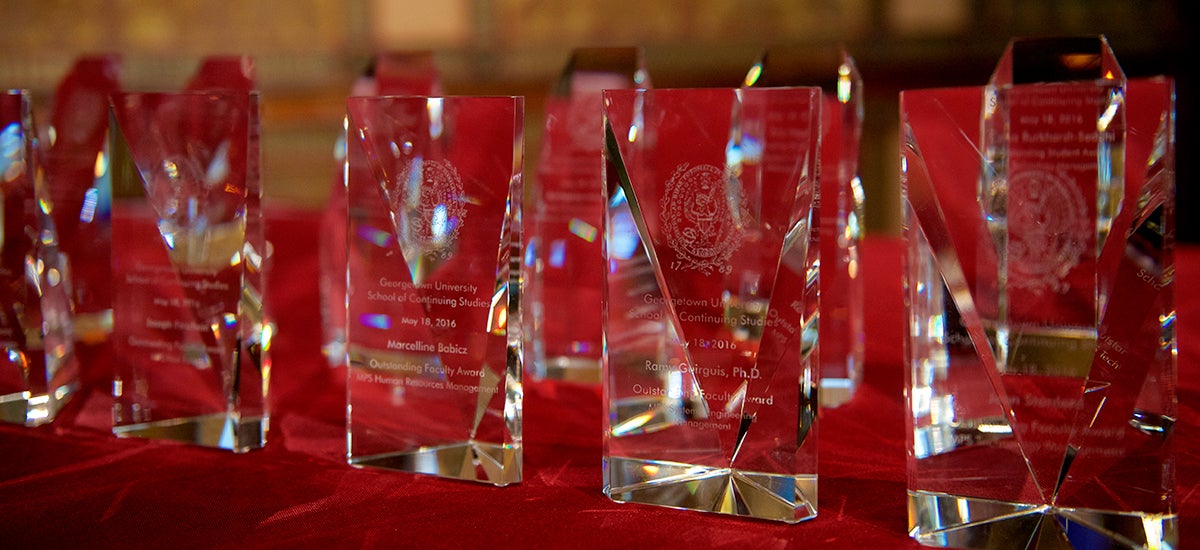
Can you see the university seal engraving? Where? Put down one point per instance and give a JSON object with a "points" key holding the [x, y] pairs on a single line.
{"points": [[431, 200], [1048, 231], [700, 216]]}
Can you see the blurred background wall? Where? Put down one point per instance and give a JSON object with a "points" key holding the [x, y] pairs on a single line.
{"points": [[309, 51]]}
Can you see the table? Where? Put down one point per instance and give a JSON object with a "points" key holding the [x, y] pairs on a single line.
{"points": [[73, 484]]}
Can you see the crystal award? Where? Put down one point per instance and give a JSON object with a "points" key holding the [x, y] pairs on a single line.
{"points": [[1039, 216], [843, 341], [190, 336], [75, 164], [433, 296], [389, 73], [39, 371], [564, 255], [710, 359]]}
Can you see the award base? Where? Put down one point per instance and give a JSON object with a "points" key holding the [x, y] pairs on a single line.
{"points": [[92, 328], [480, 461], [836, 391], [775, 497], [569, 369], [223, 431], [944, 520], [33, 410]]}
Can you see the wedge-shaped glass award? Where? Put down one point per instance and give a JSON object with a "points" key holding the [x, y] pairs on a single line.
{"points": [[711, 330], [434, 303], [38, 370], [843, 341], [565, 258], [390, 73], [1039, 220], [191, 340]]}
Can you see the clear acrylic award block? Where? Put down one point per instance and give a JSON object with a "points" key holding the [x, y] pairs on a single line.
{"points": [[38, 370], [711, 297], [564, 255], [1040, 282], [191, 339], [843, 203], [434, 304]]}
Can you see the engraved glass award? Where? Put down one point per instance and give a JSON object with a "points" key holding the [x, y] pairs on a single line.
{"points": [[710, 356], [1039, 218], [843, 341], [75, 165], [564, 257], [434, 305], [190, 336], [390, 73], [38, 371]]}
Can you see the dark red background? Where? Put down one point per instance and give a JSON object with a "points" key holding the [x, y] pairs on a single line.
{"points": [[71, 483]]}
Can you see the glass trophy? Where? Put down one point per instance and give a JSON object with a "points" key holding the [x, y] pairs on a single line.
{"points": [[191, 338], [434, 304], [843, 341], [564, 255], [75, 164], [39, 371], [390, 73], [1039, 216], [710, 364]]}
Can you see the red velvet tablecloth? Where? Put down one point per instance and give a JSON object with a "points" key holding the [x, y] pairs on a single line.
{"points": [[72, 484]]}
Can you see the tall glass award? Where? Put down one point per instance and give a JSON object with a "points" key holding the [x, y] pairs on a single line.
{"points": [[843, 341], [390, 73], [710, 363], [38, 370], [190, 337], [434, 303], [564, 256], [1041, 346], [75, 164]]}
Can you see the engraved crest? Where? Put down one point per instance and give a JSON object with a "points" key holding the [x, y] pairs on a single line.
{"points": [[1047, 233], [584, 122], [700, 217], [432, 198]]}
